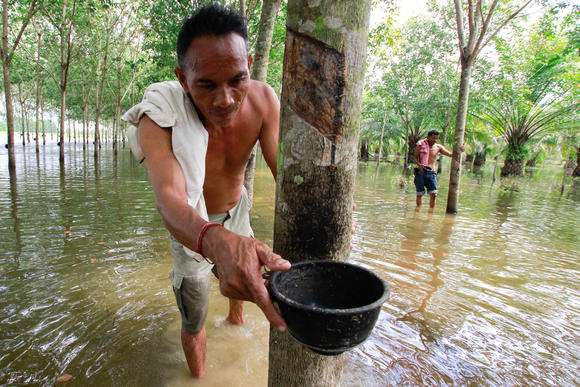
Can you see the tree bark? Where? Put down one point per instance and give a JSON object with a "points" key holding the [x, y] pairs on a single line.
{"points": [[322, 85], [101, 92], [38, 88], [460, 120], [270, 9], [381, 140], [470, 45], [21, 102], [6, 54], [7, 88], [576, 172], [62, 124], [65, 30]]}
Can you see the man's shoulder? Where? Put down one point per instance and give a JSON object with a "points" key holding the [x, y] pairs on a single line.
{"points": [[262, 96], [166, 87], [261, 89], [168, 95]]}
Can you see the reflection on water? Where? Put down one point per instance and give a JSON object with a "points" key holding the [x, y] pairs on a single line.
{"points": [[487, 297]]}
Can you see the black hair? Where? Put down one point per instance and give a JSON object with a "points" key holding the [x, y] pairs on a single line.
{"points": [[211, 19], [433, 132]]}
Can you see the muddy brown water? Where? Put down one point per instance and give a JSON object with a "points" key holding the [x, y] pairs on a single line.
{"points": [[487, 297]]}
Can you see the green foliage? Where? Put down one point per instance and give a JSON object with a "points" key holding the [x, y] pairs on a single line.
{"points": [[535, 84], [412, 78], [417, 88], [163, 20]]}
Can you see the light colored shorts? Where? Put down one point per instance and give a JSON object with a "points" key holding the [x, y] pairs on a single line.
{"points": [[191, 278]]}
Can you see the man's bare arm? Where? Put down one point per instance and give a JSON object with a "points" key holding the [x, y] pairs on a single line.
{"points": [[446, 152], [168, 183], [416, 159]]}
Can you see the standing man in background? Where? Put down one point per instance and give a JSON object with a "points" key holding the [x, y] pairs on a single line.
{"points": [[425, 156]]}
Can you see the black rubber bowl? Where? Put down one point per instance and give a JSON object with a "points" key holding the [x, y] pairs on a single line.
{"points": [[329, 306]]}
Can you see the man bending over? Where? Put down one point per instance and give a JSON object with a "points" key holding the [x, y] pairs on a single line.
{"points": [[196, 135]]}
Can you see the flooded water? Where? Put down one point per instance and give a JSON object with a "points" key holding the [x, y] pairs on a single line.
{"points": [[487, 297]]}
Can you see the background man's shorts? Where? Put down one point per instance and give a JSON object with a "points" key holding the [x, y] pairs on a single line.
{"points": [[191, 278], [423, 180]]}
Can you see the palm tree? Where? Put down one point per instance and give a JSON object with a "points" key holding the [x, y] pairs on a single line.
{"points": [[542, 107]]}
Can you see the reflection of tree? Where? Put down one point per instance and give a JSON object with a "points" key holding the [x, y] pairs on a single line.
{"points": [[420, 232], [65, 200], [574, 191], [506, 203], [14, 209]]}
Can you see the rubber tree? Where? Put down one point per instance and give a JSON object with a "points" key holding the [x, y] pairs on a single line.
{"points": [[576, 172], [7, 50], [474, 33], [270, 9], [62, 16], [324, 63]]}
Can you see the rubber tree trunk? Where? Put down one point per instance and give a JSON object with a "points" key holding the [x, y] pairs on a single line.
{"points": [[576, 172], [381, 140], [38, 88], [100, 93], [270, 9], [7, 88], [460, 120], [322, 86]]}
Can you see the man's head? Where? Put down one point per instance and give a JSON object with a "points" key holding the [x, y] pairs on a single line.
{"points": [[213, 63], [432, 137], [210, 20]]}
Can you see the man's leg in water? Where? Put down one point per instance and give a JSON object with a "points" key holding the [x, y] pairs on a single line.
{"points": [[432, 199], [233, 220], [431, 184], [191, 285], [194, 349], [237, 220], [236, 314], [419, 187]]}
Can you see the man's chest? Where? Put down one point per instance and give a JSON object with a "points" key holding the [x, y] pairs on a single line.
{"points": [[230, 149], [434, 150]]}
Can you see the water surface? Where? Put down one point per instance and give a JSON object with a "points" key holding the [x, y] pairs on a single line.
{"points": [[487, 297]]}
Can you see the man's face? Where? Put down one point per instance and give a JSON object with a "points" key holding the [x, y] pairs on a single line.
{"points": [[216, 76], [432, 139]]}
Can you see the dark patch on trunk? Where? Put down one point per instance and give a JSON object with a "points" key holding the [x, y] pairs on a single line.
{"points": [[318, 220], [314, 83]]}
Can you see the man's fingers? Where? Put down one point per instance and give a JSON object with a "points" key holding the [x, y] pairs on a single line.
{"points": [[272, 260], [262, 299]]}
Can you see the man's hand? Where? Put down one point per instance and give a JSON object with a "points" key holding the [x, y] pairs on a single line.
{"points": [[239, 261], [458, 157]]}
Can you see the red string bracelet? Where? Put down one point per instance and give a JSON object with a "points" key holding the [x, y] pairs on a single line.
{"points": [[201, 234]]}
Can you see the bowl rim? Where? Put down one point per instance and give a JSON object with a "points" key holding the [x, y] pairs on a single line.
{"points": [[277, 296]]}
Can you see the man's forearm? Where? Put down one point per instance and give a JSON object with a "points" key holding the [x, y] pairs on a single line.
{"points": [[181, 220]]}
